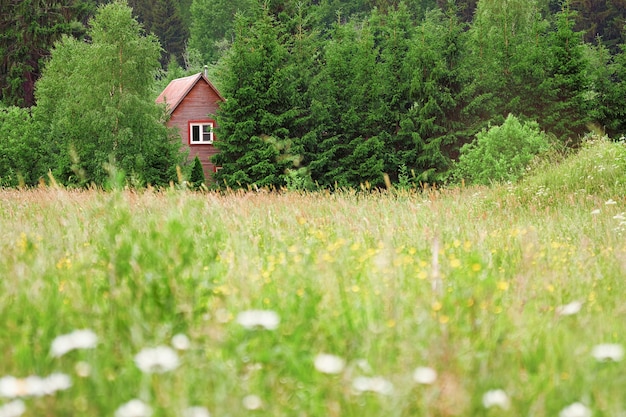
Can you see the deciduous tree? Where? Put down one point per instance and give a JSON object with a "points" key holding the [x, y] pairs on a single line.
{"points": [[97, 100]]}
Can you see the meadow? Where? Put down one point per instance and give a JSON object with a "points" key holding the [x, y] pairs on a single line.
{"points": [[506, 300]]}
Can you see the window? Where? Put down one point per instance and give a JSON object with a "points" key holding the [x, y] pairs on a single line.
{"points": [[201, 133]]}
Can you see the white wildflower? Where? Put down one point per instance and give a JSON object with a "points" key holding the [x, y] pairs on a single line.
{"points": [[134, 408], [424, 375], [610, 202], [608, 352], [252, 402], [595, 212], [56, 382], [157, 360], [375, 384], [82, 369], [36, 386], [254, 319], [620, 217], [496, 398], [575, 410], [181, 342], [78, 339], [196, 412], [569, 309], [10, 387], [329, 364], [13, 409]]}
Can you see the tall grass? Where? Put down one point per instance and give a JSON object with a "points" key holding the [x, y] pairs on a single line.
{"points": [[469, 282]]}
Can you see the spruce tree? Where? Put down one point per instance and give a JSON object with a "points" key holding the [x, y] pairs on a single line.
{"points": [[167, 24], [434, 127], [503, 47], [563, 104], [344, 103], [28, 29], [213, 23], [197, 173], [607, 75], [254, 122], [393, 33]]}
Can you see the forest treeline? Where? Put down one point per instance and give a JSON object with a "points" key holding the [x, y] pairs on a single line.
{"points": [[319, 93]]}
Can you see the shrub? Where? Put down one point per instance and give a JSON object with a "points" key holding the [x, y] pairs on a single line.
{"points": [[197, 174], [24, 158], [501, 153]]}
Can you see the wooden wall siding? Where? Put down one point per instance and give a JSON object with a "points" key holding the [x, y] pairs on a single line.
{"points": [[200, 104]]}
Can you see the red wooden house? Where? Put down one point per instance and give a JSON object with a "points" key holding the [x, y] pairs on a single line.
{"points": [[191, 105]]}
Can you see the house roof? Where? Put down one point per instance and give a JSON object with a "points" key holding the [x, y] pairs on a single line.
{"points": [[178, 89]]}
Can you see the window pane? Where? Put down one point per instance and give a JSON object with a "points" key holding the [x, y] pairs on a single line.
{"points": [[195, 133], [206, 133]]}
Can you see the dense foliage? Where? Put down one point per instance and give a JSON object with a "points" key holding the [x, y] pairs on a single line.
{"points": [[501, 153], [323, 94], [95, 100]]}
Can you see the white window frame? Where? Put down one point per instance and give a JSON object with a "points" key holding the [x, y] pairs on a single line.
{"points": [[201, 126]]}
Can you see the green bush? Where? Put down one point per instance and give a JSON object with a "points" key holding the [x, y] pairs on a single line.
{"points": [[24, 158], [197, 174], [501, 153]]}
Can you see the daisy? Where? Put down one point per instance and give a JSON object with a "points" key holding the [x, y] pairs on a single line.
{"points": [[10, 387], [255, 319], [78, 339], [575, 410], [375, 384], [181, 342], [36, 386], [329, 364], [134, 408], [56, 382], [569, 309], [157, 360], [252, 402], [13, 409], [496, 398], [424, 375], [608, 352]]}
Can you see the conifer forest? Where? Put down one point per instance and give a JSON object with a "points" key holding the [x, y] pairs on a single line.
{"points": [[320, 94]]}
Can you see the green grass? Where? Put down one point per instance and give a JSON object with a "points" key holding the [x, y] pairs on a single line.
{"points": [[349, 274]]}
